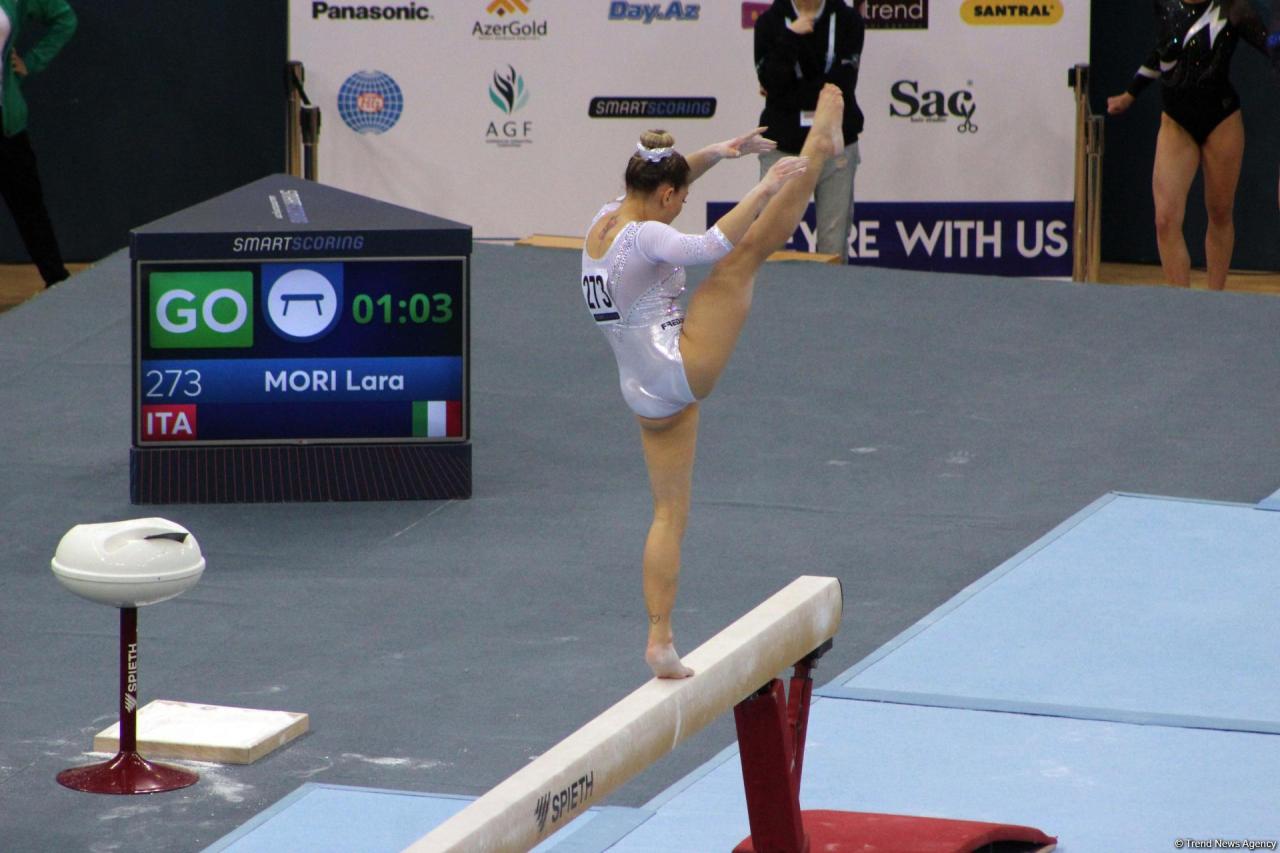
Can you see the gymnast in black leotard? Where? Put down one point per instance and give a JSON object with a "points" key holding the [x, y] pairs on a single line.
{"points": [[1201, 126]]}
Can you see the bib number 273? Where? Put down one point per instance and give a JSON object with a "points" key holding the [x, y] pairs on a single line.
{"points": [[595, 290]]}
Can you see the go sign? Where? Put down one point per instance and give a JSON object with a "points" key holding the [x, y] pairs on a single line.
{"points": [[194, 310]]}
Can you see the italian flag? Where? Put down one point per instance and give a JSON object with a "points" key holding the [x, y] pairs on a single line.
{"points": [[437, 419]]}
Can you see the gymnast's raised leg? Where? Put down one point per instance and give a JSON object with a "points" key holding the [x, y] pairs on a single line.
{"points": [[716, 314]]}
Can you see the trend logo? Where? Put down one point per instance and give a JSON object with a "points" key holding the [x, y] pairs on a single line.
{"points": [[895, 14], [507, 7], [370, 102], [508, 91]]}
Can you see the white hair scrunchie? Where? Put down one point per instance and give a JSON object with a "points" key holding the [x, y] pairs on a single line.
{"points": [[653, 155]]}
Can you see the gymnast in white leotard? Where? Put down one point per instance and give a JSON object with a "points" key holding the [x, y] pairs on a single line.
{"points": [[631, 293], [632, 273]]}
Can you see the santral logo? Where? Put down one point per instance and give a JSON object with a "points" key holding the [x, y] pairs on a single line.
{"points": [[302, 303], [980, 13]]}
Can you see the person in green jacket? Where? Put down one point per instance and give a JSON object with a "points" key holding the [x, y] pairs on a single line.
{"points": [[19, 179]]}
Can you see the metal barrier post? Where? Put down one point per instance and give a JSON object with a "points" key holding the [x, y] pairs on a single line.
{"points": [[293, 79], [1097, 141], [1087, 245], [310, 120]]}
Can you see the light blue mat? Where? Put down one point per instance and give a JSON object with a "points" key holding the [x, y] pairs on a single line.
{"points": [[344, 819], [1137, 609], [1113, 685], [1100, 787]]}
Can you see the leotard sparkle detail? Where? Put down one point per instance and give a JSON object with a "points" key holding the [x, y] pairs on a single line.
{"points": [[631, 293]]}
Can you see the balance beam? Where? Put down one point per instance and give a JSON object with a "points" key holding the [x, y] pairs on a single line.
{"points": [[598, 758]]}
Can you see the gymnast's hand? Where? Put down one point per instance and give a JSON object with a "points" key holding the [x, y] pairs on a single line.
{"points": [[19, 67], [783, 171], [1117, 104], [748, 143]]}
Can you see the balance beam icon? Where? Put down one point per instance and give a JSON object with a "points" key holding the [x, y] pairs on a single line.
{"points": [[290, 298]]}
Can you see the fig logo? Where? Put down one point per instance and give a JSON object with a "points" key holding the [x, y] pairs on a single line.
{"points": [[979, 13]]}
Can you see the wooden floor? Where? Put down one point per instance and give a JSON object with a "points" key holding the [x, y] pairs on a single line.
{"points": [[20, 282]]}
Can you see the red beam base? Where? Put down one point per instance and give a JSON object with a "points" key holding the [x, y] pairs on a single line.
{"points": [[860, 832]]}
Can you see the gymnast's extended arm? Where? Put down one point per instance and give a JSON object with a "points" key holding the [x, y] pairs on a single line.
{"points": [[661, 243], [748, 143]]}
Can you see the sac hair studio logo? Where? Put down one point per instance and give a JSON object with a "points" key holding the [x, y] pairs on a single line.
{"points": [[933, 106], [895, 14], [508, 21], [370, 102], [507, 92]]}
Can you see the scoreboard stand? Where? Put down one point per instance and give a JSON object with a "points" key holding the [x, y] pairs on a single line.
{"points": [[296, 342]]}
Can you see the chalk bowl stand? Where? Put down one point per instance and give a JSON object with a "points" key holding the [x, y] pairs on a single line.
{"points": [[128, 564]]}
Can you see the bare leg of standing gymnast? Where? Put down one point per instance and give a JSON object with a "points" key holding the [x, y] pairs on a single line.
{"points": [[716, 314]]}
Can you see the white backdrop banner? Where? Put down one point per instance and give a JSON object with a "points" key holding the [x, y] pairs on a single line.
{"points": [[518, 116]]}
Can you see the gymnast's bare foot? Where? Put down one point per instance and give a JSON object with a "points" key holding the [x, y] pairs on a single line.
{"points": [[664, 661], [828, 120]]}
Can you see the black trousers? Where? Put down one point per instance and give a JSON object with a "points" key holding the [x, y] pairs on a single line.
{"points": [[20, 188]]}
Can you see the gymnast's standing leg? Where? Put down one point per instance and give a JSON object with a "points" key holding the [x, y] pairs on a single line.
{"points": [[715, 317]]}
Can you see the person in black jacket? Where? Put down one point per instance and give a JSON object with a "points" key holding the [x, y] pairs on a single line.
{"points": [[800, 45]]}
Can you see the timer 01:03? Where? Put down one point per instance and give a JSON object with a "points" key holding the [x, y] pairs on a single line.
{"points": [[418, 308]]}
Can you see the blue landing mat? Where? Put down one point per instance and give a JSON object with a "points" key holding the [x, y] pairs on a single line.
{"points": [[1272, 502], [343, 819], [1100, 787], [1112, 685], [1137, 609]]}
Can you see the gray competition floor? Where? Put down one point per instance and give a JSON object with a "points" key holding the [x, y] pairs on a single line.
{"points": [[905, 432]]}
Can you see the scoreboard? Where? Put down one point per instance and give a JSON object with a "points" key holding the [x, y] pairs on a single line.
{"points": [[317, 332]]}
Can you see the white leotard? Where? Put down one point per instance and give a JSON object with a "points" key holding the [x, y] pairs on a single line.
{"points": [[631, 293]]}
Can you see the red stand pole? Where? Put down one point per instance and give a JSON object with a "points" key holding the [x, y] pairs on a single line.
{"points": [[128, 772]]}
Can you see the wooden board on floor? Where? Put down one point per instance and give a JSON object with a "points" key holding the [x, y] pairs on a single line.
{"points": [[216, 733], [555, 241]]}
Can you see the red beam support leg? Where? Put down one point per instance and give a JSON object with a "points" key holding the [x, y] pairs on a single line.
{"points": [[773, 798], [771, 737]]}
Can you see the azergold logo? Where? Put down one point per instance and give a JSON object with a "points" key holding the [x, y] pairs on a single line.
{"points": [[980, 13]]}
